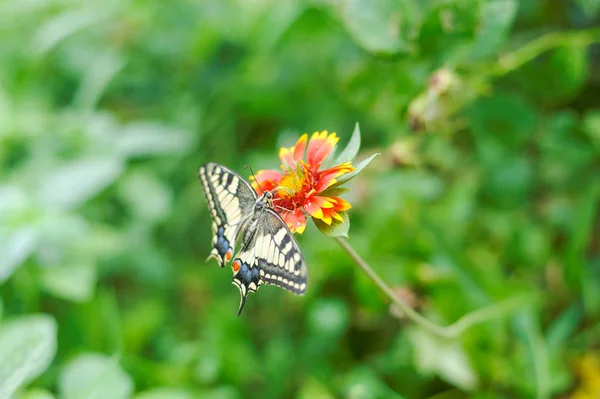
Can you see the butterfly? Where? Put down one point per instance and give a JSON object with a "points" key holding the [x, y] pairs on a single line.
{"points": [[268, 254]]}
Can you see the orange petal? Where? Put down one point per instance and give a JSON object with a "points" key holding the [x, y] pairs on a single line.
{"points": [[300, 147], [295, 220], [312, 207], [341, 205], [337, 216], [286, 156], [319, 147], [327, 177], [266, 180]]}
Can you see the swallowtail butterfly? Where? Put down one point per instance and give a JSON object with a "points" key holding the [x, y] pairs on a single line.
{"points": [[269, 254]]}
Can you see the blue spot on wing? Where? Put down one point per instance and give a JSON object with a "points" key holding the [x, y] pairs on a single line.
{"points": [[222, 244]]}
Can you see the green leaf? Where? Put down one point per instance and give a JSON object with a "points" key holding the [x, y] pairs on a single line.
{"points": [[157, 200], [589, 7], [447, 359], [152, 138], [15, 247], [591, 127], [72, 282], [562, 328], [334, 191], [71, 185], [94, 376], [380, 26], [165, 393], [336, 228], [364, 382], [358, 168], [36, 393], [328, 318], [352, 148], [27, 346], [497, 17], [103, 67]]}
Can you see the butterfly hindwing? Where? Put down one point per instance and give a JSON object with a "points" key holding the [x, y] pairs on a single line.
{"points": [[231, 201], [269, 255]]}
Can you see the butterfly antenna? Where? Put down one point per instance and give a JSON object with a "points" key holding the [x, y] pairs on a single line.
{"points": [[253, 175]]}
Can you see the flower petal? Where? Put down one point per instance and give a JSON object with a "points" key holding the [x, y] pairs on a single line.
{"points": [[331, 214], [319, 147], [286, 156], [340, 204], [295, 220], [327, 177], [266, 180], [300, 147]]}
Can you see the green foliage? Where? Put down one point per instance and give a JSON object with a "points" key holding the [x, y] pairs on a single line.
{"points": [[486, 117]]}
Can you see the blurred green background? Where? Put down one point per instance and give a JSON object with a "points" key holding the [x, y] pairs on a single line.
{"points": [[487, 118]]}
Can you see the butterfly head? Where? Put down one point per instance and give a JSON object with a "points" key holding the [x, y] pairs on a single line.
{"points": [[265, 200]]}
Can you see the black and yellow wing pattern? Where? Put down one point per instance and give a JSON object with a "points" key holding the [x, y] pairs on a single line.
{"points": [[230, 200], [269, 253]]}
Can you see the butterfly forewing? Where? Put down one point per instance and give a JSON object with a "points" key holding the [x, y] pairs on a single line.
{"points": [[231, 202], [269, 255]]}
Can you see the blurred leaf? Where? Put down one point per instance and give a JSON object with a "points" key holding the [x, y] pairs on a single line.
{"points": [[557, 77], [91, 376], [165, 393], [76, 182], [497, 17], [313, 389], [336, 228], [102, 69], [536, 365], [73, 282], [363, 383], [15, 247], [571, 62], [208, 366], [223, 392], [151, 138], [590, 7], [447, 359], [351, 149], [54, 30], [141, 321], [27, 346], [591, 127], [156, 201], [328, 318], [36, 393], [379, 26], [562, 328]]}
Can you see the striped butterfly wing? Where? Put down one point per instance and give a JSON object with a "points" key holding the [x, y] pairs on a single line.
{"points": [[269, 255], [231, 202]]}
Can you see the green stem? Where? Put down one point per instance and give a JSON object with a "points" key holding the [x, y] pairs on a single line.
{"points": [[453, 330], [513, 60]]}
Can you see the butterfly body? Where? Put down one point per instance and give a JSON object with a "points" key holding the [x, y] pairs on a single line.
{"points": [[269, 254]]}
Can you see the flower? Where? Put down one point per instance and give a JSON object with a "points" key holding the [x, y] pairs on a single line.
{"points": [[301, 188]]}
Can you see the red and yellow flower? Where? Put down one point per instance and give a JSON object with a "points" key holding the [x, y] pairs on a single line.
{"points": [[301, 188]]}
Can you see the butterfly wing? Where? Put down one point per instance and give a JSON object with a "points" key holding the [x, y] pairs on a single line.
{"points": [[231, 202], [269, 255]]}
